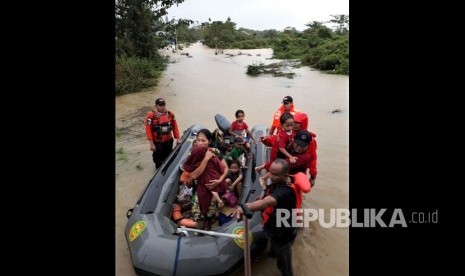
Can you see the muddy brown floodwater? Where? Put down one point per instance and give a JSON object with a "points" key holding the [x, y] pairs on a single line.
{"points": [[201, 84]]}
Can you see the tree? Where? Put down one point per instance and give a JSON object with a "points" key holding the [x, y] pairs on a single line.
{"points": [[314, 25], [135, 25], [178, 29], [343, 22]]}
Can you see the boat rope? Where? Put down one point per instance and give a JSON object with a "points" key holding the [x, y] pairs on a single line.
{"points": [[177, 256]]}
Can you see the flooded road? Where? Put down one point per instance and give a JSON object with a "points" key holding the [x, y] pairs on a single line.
{"points": [[201, 84]]}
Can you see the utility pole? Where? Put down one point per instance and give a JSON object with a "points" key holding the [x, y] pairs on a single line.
{"points": [[175, 40], [175, 34]]}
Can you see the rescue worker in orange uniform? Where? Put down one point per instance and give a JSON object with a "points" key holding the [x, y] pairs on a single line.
{"points": [[301, 123], [161, 129], [287, 106]]}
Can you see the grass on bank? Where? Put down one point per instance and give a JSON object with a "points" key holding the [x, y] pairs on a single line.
{"points": [[134, 74]]}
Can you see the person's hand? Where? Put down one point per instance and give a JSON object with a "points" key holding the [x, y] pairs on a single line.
{"points": [[178, 141], [293, 159], [213, 183], [239, 213], [262, 182], [312, 182], [209, 154], [153, 148]]}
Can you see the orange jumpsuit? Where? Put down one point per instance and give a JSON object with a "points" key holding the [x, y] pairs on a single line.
{"points": [[160, 128]]}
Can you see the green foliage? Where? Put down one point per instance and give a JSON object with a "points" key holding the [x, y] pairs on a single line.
{"points": [[138, 63], [328, 62], [289, 46], [255, 69], [342, 67], [137, 60], [133, 73], [273, 68], [223, 35], [314, 25], [330, 55], [188, 35], [121, 155], [318, 46], [342, 21]]}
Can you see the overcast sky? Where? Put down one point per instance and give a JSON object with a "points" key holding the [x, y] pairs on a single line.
{"points": [[260, 14]]}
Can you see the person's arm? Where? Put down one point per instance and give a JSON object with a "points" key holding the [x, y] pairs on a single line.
{"points": [[260, 168], [239, 179], [226, 170], [232, 133], [215, 182], [301, 164], [276, 115], [250, 135], [292, 159], [231, 130], [148, 130], [267, 165], [272, 128], [175, 129], [257, 205], [199, 170], [313, 162], [152, 146], [261, 204], [217, 198]]}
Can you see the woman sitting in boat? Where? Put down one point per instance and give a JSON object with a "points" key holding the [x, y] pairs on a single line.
{"points": [[210, 172]]}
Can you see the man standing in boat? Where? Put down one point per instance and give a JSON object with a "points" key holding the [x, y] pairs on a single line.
{"points": [[160, 128], [280, 196], [287, 106]]}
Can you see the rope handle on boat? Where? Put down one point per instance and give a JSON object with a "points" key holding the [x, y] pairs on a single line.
{"points": [[211, 233], [129, 212]]}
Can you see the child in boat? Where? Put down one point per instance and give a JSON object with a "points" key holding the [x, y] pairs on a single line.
{"points": [[240, 129], [285, 137], [234, 178], [282, 142], [237, 151]]}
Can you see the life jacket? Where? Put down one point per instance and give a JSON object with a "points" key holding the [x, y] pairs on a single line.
{"points": [[280, 111], [163, 122], [161, 125], [179, 219], [301, 185]]}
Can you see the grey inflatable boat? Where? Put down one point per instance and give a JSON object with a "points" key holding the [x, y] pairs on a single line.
{"points": [[159, 247]]}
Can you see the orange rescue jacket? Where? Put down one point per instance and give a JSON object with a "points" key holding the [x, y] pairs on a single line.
{"points": [[161, 128], [301, 185]]}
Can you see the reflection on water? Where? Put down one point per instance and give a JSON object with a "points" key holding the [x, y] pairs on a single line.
{"points": [[199, 85]]}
